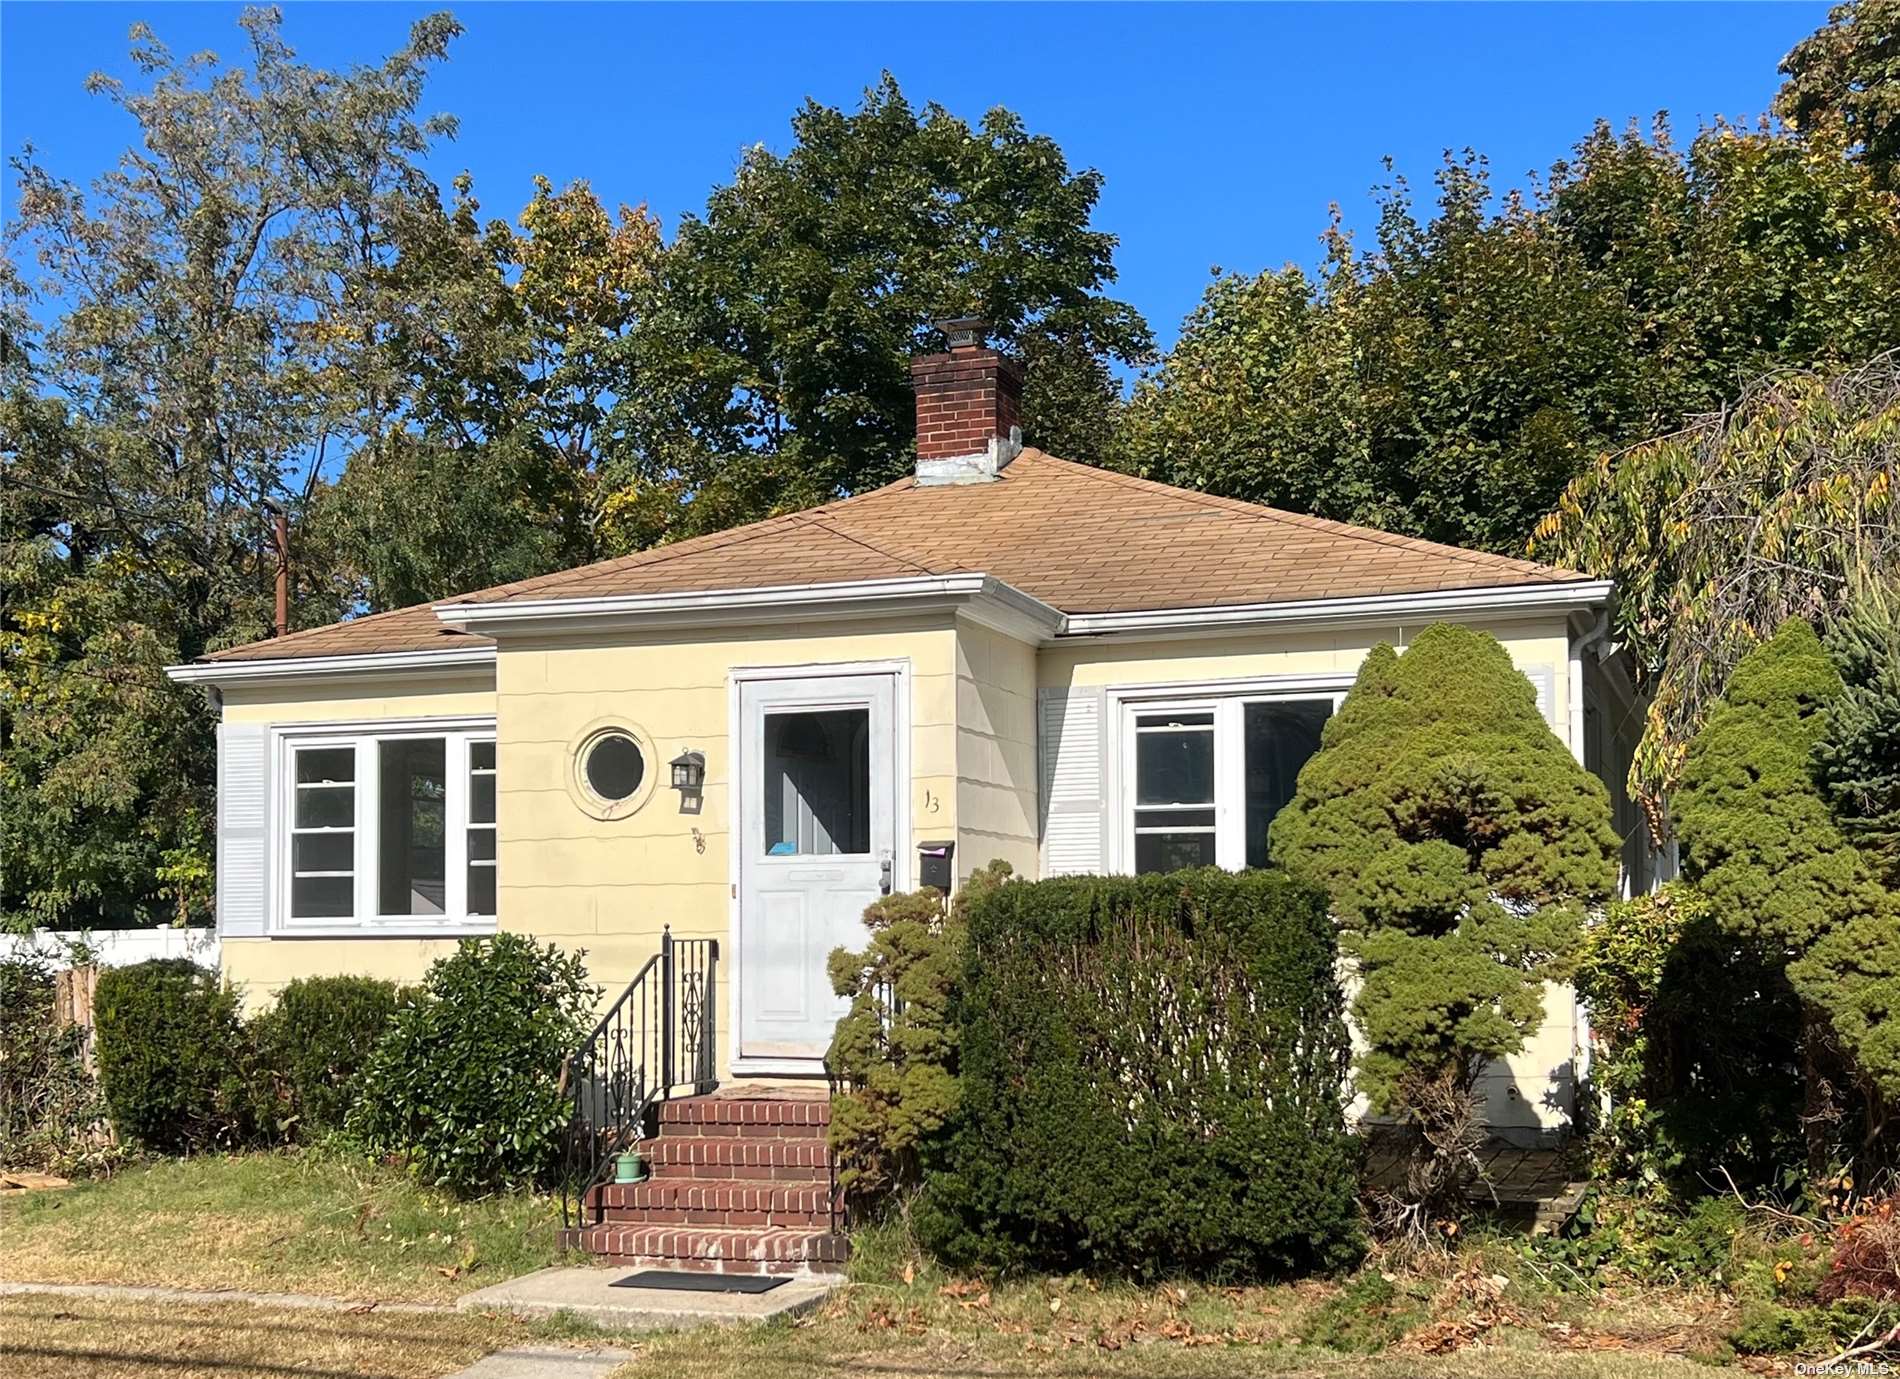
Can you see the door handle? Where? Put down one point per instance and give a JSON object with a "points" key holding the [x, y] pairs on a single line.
{"points": [[884, 870]]}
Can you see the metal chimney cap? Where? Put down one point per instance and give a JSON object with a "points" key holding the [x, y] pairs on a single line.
{"points": [[965, 332]]}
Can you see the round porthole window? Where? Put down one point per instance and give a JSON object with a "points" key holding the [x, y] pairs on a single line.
{"points": [[614, 767]]}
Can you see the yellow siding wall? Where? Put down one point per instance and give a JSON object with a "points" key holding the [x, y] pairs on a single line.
{"points": [[609, 886], [996, 750], [261, 967]]}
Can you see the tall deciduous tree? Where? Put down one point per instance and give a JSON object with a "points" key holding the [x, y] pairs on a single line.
{"points": [[1462, 846], [773, 372], [214, 338], [1846, 75], [1452, 379]]}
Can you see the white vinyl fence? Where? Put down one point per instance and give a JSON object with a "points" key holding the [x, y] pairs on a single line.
{"points": [[116, 947]]}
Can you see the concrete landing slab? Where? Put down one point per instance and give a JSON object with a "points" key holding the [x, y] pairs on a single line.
{"points": [[590, 1293], [545, 1362]]}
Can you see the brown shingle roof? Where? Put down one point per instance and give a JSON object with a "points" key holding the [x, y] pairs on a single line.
{"points": [[1084, 540]]}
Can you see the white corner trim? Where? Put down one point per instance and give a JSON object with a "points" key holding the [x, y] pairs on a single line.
{"points": [[285, 669], [1508, 600], [975, 593]]}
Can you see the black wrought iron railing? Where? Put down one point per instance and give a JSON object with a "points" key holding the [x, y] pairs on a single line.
{"points": [[658, 1040]]}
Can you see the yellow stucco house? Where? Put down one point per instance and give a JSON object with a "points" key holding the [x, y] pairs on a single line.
{"points": [[1005, 655]]}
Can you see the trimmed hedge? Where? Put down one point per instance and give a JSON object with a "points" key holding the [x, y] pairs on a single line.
{"points": [[313, 1045], [171, 1056], [1152, 1074]]}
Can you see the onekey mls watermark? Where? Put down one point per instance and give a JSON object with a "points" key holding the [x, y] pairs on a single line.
{"points": [[1845, 1369]]}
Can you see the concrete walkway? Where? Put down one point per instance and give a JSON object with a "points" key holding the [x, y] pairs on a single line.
{"points": [[590, 1293], [545, 1362]]}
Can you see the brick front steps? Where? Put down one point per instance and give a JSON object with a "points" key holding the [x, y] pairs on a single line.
{"points": [[740, 1184]]}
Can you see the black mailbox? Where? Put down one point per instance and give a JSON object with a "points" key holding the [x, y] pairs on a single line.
{"points": [[933, 865]]}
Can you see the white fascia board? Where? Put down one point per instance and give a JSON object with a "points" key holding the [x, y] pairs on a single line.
{"points": [[1514, 600], [293, 669], [973, 594]]}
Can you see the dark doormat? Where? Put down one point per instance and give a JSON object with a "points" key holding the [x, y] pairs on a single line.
{"points": [[687, 1281]]}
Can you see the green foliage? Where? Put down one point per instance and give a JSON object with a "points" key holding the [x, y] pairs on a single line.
{"points": [[1461, 846], [465, 1084], [896, 1048], [1151, 1081], [1858, 757], [209, 332], [171, 1056], [773, 370], [312, 1046], [1451, 380], [1845, 78], [1694, 1037], [1368, 1316], [49, 1102], [1779, 506]]}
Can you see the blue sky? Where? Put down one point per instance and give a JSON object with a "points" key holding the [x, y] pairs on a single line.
{"points": [[1223, 131]]}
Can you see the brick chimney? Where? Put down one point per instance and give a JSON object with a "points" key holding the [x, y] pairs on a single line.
{"points": [[968, 402]]}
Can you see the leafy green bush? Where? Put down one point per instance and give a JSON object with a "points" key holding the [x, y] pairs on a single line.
{"points": [[49, 1102], [1152, 1071], [1695, 1036], [895, 1050], [465, 1085], [1858, 756], [1461, 845], [172, 1062], [312, 1046], [1368, 1316]]}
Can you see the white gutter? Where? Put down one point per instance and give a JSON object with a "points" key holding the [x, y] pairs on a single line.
{"points": [[1504, 600], [283, 669], [974, 594]]}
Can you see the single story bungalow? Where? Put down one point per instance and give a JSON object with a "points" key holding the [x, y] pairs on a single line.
{"points": [[748, 736]]}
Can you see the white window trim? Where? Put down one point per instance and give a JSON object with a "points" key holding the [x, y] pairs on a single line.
{"points": [[1225, 699], [365, 737]]}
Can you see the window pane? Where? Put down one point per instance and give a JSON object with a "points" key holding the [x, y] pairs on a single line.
{"points": [[614, 769], [1172, 819], [481, 756], [325, 806], [321, 897], [411, 817], [817, 783], [323, 852], [481, 890], [326, 764], [1173, 851], [481, 845], [481, 799], [1174, 766], [1280, 738]]}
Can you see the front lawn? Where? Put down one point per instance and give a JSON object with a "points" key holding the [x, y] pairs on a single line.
{"points": [[288, 1222]]}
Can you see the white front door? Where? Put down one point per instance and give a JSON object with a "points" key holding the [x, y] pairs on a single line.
{"points": [[818, 806]]}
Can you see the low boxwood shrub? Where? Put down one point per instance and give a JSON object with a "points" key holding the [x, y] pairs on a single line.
{"points": [[171, 1056], [312, 1046], [465, 1084], [1152, 1072]]}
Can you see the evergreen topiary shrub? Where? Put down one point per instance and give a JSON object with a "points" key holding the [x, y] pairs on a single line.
{"points": [[171, 1053], [465, 1085], [895, 1050], [312, 1047], [1461, 845], [1151, 1076], [1858, 755]]}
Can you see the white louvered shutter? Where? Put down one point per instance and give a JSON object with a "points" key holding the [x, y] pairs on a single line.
{"points": [[1074, 802], [243, 811], [1544, 680]]}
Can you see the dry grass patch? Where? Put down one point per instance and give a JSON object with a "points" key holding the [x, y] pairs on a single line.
{"points": [[47, 1337], [289, 1222]]}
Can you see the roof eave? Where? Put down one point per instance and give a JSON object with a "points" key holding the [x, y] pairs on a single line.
{"points": [[1499, 602], [973, 595], [268, 671]]}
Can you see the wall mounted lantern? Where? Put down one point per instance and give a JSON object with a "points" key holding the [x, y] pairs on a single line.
{"points": [[689, 772]]}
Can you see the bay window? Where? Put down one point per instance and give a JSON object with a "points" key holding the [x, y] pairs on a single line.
{"points": [[1203, 777], [388, 827]]}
